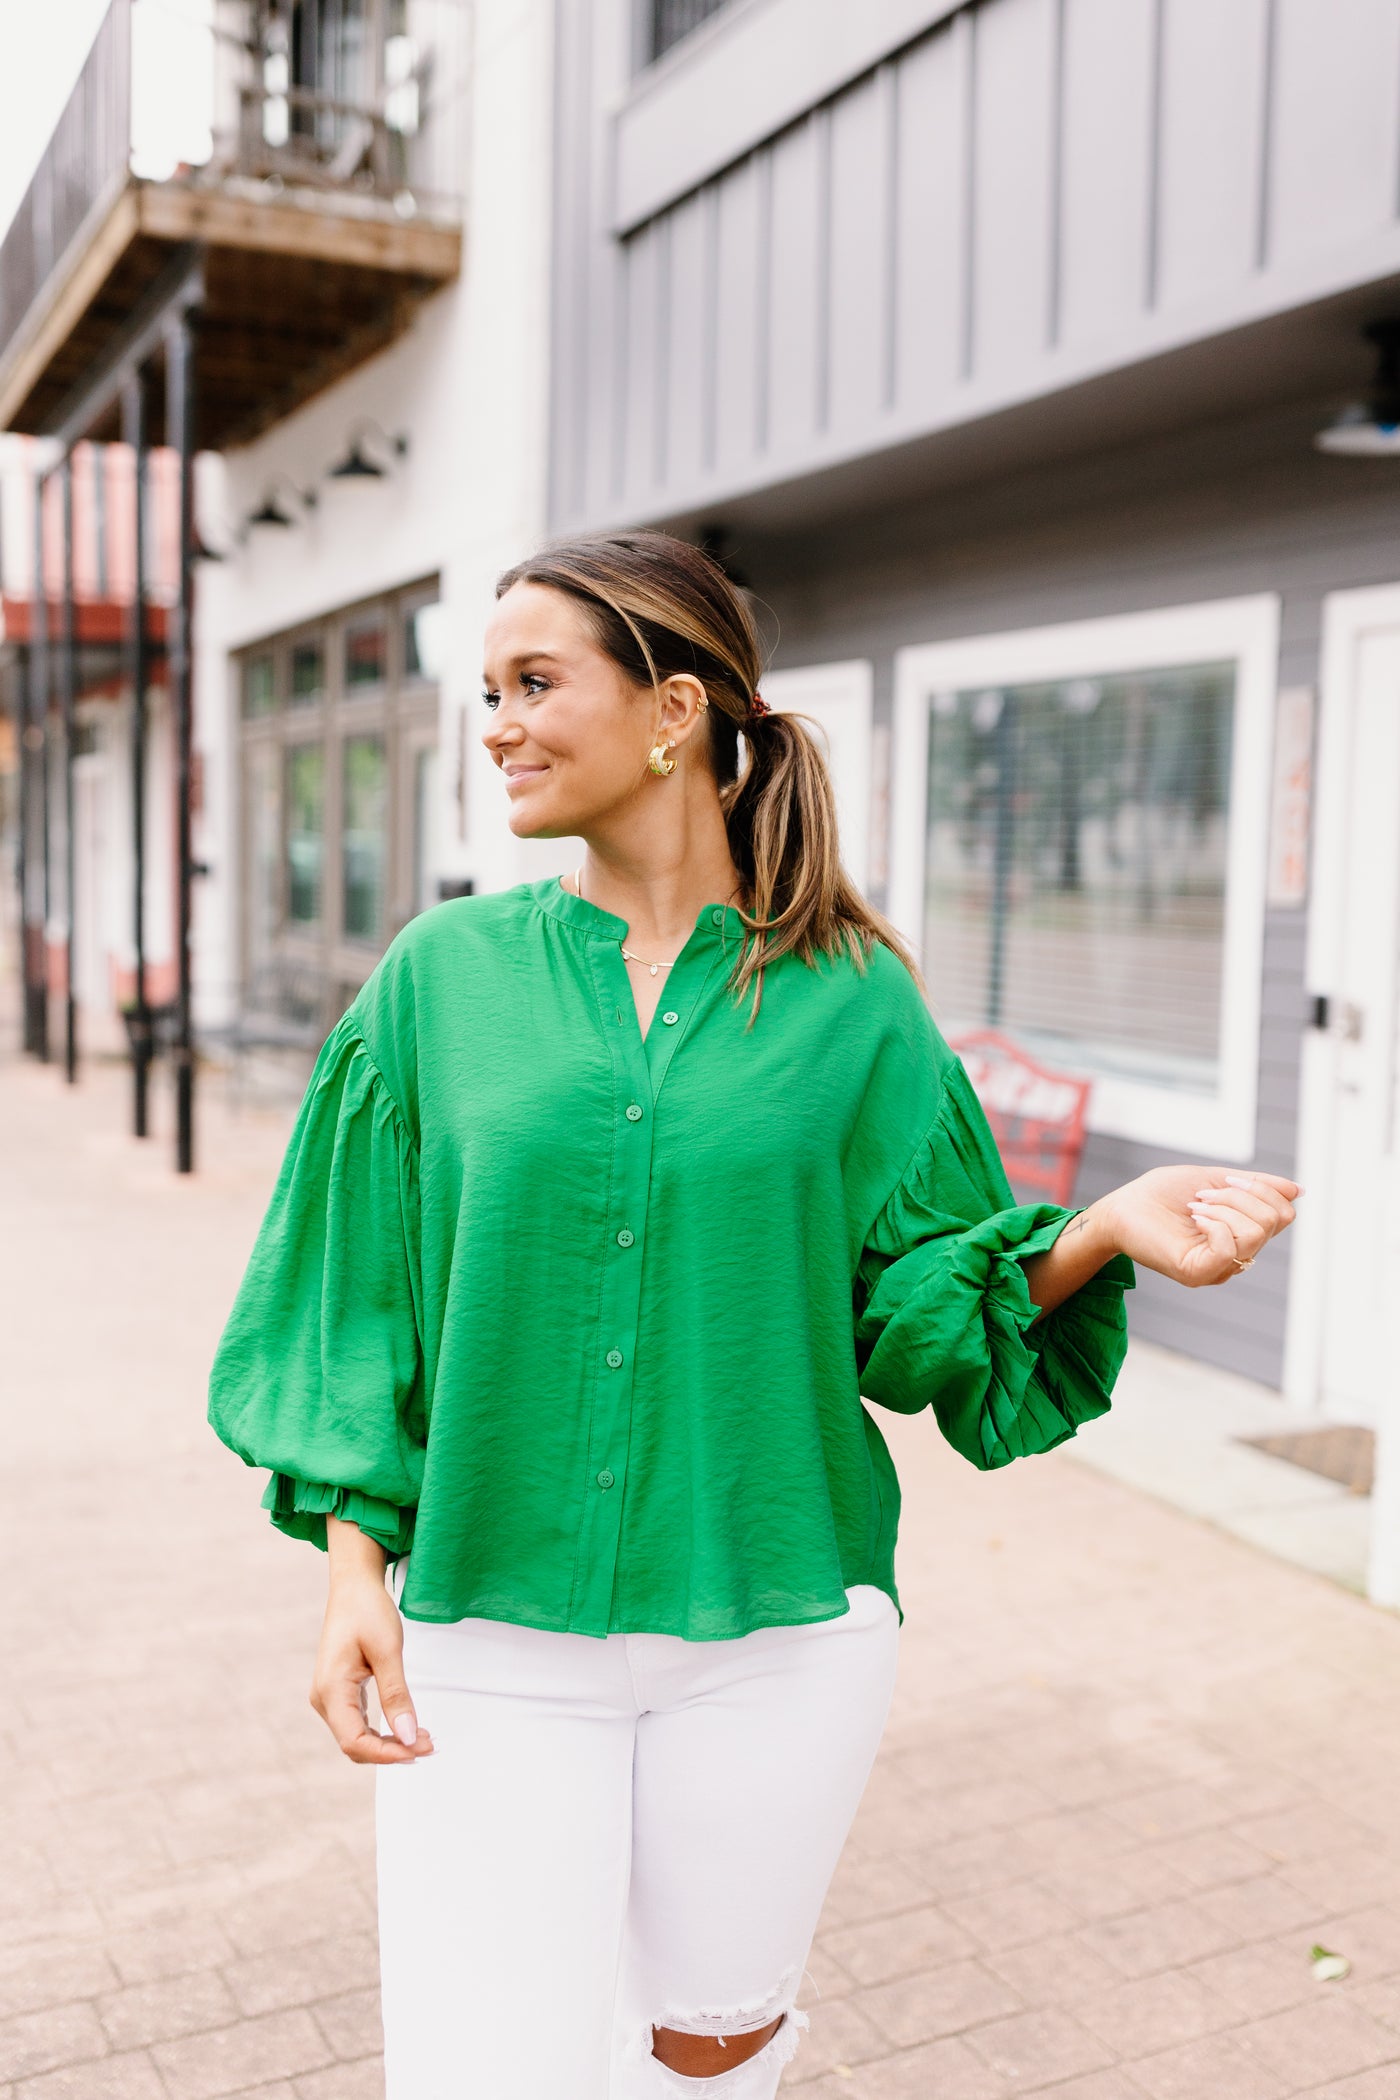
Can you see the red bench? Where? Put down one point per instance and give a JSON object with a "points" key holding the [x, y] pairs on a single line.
{"points": [[1037, 1116]]}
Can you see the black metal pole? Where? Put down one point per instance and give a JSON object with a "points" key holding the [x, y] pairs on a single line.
{"points": [[68, 678], [22, 685], [36, 968], [22, 842], [46, 789], [179, 426], [134, 435], [26, 842]]}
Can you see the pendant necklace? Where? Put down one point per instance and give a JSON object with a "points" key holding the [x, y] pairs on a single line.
{"points": [[652, 967]]}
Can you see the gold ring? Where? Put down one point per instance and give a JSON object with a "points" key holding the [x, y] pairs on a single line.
{"points": [[1242, 1264]]}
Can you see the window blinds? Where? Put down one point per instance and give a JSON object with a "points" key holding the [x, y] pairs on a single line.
{"points": [[1076, 866]]}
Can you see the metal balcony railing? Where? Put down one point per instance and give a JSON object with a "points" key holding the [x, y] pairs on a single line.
{"points": [[354, 97], [84, 166], [672, 20]]}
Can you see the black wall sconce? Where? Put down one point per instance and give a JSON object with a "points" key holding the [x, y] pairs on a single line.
{"points": [[1370, 429], [270, 511], [359, 465]]}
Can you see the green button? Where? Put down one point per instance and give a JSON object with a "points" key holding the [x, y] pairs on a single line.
{"points": [[634, 1112], [605, 1478], [717, 917], [625, 1238], [613, 1359], [670, 1019]]}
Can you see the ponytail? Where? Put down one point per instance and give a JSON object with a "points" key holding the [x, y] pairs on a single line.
{"points": [[662, 608]]}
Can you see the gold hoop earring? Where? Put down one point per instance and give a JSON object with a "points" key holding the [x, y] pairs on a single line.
{"points": [[658, 761]]}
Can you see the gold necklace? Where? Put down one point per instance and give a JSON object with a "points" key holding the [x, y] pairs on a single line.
{"points": [[653, 967]]}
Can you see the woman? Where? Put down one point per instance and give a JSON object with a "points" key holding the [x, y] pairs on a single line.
{"points": [[609, 1198]]}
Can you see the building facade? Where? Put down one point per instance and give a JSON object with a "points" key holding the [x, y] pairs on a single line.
{"points": [[991, 343], [331, 205]]}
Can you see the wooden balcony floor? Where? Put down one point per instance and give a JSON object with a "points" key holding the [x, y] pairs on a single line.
{"points": [[300, 288]]}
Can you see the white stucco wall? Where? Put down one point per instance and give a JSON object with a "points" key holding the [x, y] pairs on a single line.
{"points": [[467, 386]]}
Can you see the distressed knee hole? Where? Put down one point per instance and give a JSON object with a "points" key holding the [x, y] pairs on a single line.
{"points": [[710, 2055], [693, 2046]]}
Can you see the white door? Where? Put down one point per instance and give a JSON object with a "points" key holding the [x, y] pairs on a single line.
{"points": [[1361, 1019], [1341, 1354], [838, 697]]}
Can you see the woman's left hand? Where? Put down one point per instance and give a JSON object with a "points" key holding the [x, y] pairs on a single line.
{"points": [[1200, 1225]]}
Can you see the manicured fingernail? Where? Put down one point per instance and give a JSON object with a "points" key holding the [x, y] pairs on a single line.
{"points": [[406, 1730]]}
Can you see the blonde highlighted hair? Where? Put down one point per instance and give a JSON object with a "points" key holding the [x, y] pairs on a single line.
{"points": [[661, 608]]}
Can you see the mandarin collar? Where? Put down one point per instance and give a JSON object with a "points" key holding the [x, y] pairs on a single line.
{"points": [[713, 922]]}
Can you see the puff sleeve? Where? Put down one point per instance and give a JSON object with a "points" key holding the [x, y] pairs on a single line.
{"points": [[944, 1317], [319, 1374]]}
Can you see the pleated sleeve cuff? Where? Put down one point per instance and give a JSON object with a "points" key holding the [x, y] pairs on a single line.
{"points": [[299, 1508], [1040, 1377], [948, 1321]]}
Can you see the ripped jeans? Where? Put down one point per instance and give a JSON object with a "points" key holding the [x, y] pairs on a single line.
{"points": [[614, 1835]]}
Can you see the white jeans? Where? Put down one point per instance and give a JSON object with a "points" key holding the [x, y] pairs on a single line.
{"points": [[611, 1835]]}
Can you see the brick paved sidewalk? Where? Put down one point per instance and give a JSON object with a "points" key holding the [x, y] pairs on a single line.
{"points": [[1134, 1772]]}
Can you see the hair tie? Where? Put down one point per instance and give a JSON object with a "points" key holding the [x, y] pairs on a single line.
{"points": [[758, 707]]}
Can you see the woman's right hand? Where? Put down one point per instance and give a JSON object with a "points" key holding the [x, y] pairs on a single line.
{"points": [[362, 1637]]}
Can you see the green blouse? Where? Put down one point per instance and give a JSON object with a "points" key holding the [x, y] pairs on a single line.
{"points": [[584, 1318]]}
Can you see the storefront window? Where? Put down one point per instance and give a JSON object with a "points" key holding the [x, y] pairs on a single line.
{"points": [[1076, 865], [262, 792], [308, 677], [1079, 852], [338, 746], [364, 836], [306, 832], [259, 687], [366, 651]]}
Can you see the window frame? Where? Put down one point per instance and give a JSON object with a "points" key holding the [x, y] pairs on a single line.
{"points": [[1219, 1124], [309, 706], [840, 697], [405, 714]]}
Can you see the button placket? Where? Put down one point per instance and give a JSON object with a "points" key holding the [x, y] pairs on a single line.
{"points": [[639, 1067], [691, 974], [619, 1305]]}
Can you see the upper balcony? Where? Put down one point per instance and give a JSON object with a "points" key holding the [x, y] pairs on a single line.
{"points": [[310, 152]]}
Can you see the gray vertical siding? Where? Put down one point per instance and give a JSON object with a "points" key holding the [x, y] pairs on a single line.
{"points": [[1332, 125], [1014, 197], [1214, 97], [931, 235]]}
